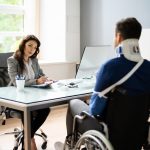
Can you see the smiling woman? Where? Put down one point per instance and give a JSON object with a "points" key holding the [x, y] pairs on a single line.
{"points": [[24, 63]]}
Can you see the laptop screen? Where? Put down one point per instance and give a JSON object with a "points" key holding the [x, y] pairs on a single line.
{"points": [[92, 58]]}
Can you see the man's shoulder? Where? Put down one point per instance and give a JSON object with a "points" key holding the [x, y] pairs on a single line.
{"points": [[147, 62], [113, 62]]}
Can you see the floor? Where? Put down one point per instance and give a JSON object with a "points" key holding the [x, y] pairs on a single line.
{"points": [[54, 127]]}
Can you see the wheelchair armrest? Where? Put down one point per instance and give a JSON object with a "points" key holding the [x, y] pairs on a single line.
{"points": [[85, 113], [97, 123]]}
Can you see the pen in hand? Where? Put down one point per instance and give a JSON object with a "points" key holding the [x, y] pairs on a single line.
{"points": [[42, 79]]}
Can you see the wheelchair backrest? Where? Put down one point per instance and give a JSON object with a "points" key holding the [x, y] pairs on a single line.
{"points": [[127, 117]]}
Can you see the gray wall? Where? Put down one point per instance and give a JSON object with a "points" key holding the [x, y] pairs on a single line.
{"points": [[98, 18]]}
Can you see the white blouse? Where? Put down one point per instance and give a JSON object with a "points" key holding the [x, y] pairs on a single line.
{"points": [[28, 72]]}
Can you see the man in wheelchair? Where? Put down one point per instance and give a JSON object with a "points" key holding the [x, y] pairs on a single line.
{"points": [[121, 95]]}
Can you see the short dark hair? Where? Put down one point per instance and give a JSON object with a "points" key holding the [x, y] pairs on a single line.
{"points": [[129, 28]]}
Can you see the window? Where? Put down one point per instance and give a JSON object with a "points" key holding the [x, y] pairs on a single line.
{"points": [[55, 22], [12, 23], [18, 18]]}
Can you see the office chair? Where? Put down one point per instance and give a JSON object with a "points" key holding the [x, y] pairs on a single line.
{"points": [[127, 122], [11, 113], [19, 133], [4, 77]]}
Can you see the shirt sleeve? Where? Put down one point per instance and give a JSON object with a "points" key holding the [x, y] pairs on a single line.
{"points": [[12, 69], [97, 105], [103, 80]]}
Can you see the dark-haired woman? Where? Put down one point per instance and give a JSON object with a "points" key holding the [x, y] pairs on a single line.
{"points": [[24, 62]]}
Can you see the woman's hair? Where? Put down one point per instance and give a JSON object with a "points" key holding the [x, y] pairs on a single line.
{"points": [[129, 28], [19, 54]]}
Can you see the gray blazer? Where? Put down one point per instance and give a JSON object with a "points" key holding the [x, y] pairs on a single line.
{"points": [[14, 69]]}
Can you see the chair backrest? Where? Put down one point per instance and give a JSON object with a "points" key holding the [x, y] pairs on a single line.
{"points": [[4, 77], [127, 120]]}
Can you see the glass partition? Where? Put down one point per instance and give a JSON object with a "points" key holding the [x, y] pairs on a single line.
{"points": [[93, 57]]}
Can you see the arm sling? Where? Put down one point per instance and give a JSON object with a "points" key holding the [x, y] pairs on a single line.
{"points": [[122, 80]]}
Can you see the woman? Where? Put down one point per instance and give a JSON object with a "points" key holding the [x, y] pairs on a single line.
{"points": [[24, 62]]}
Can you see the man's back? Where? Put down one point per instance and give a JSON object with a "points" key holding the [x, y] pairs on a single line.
{"points": [[117, 68]]}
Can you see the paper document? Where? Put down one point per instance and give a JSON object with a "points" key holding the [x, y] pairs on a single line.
{"points": [[44, 85]]}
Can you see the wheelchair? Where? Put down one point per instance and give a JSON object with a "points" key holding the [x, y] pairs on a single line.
{"points": [[95, 137], [127, 121]]}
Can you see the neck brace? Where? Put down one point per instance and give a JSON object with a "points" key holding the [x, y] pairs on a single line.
{"points": [[130, 49]]}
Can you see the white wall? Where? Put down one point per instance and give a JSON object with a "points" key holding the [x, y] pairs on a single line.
{"points": [[60, 30], [52, 30], [98, 19], [73, 30]]}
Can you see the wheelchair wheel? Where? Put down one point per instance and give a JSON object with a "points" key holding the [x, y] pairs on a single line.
{"points": [[93, 140]]}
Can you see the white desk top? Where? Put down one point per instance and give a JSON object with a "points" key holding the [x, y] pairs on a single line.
{"points": [[34, 98], [59, 90]]}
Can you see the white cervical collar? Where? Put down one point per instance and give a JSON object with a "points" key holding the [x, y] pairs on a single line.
{"points": [[130, 49]]}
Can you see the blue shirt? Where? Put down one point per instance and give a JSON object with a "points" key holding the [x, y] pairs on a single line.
{"points": [[111, 72]]}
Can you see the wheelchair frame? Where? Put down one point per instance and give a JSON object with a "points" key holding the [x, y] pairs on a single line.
{"points": [[90, 140]]}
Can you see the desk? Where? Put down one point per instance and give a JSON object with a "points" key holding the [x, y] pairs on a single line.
{"points": [[34, 98]]}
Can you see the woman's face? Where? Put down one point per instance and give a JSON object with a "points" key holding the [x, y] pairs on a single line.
{"points": [[30, 48]]}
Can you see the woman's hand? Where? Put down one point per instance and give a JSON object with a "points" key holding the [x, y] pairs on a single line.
{"points": [[41, 80]]}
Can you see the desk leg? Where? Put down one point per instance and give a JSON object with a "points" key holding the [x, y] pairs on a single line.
{"points": [[27, 129]]}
